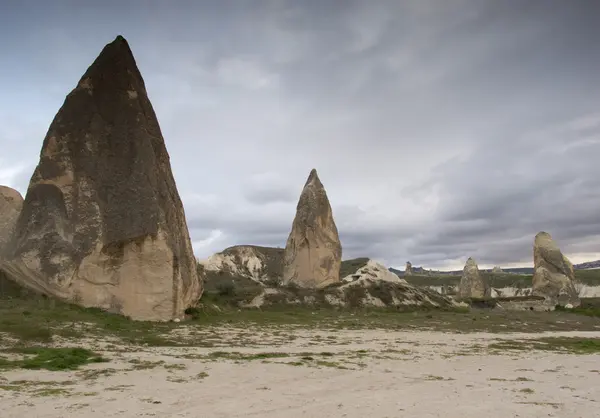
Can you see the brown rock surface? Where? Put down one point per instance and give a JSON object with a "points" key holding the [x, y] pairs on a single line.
{"points": [[11, 203], [102, 223], [313, 253], [553, 276], [472, 283]]}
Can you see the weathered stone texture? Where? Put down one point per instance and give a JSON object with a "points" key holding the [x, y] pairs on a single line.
{"points": [[11, 203], [313, 253], [472, 283], [102, 223], [553, 276]]}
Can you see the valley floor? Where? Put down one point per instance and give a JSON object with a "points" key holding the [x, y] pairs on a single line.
{"points": [[285, 371]]}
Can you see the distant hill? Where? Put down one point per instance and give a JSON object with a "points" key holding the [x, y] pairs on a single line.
{"points": [[588, 265], [515, 270]]}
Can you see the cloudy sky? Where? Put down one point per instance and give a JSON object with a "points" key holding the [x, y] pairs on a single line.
{"points": [[441, 129]]}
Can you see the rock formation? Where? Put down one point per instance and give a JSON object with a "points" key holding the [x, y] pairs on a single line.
{"points": [[373, 288], [373, 270], [472, 283], [260, 264], [408, 271], [102, 224], [553, 276], [11, 203], [313, 252], [497, 269]]}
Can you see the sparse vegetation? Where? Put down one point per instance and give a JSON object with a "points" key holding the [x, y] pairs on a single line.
{"points": [[527, 391], [561, 344], [239, 356], [44, 319], [54, 359], [588, 307]]}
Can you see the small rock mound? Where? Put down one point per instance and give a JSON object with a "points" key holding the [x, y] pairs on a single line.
{"points": [[374, 271], [357, 294], [11, 203], [553, 276], [313, 252], [472, 283], [261, 264]]}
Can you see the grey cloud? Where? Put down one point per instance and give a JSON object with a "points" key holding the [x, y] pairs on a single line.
{"points": [[440, 128], [497, 195], [266, 188]]}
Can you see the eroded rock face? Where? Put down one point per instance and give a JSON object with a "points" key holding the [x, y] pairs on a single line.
{"points": [[408, 271], [11, 203], [102, 224], [261, 264], [364, 292], [472, 283], [373, 270], [313, 253], [553, 276]]}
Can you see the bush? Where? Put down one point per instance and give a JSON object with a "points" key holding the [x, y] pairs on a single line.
{"points": [[354, 296], [226, 289]]}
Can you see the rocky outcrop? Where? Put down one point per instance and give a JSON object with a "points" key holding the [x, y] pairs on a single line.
{"points": [[102, 223], [497, 270], [366, 283], [11, 203], [374, 271], [472, 283], [313, 252], [261, 264], [553, 276], [408, 270], [364, 292]]}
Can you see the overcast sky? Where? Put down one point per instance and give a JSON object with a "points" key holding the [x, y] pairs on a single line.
{"points": [[441, 129]]}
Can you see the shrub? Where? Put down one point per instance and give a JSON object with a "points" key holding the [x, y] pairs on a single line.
{"points": [[226, 289]]}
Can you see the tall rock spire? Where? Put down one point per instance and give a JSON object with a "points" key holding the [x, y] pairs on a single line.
{"points": [[553, 276], [472, 283], [102, 223], [313, 253]]}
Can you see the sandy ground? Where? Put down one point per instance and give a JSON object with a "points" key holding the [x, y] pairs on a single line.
{"points": [[366, 373]]}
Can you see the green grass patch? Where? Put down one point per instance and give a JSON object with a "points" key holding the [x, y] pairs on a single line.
{"points": [[589, 307], [54, 359], [560, 344]]}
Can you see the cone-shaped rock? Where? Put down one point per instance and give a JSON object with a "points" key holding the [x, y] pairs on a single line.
{"points": [[313, 253], [102, 223], [11, 203], [553, 276], [472, 283]]}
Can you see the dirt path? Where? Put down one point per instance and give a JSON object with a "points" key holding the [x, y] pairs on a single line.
{"points": [[294, 373]]}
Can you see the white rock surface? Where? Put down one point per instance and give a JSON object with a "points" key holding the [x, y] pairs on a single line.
{"points": [[374, 271]]}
